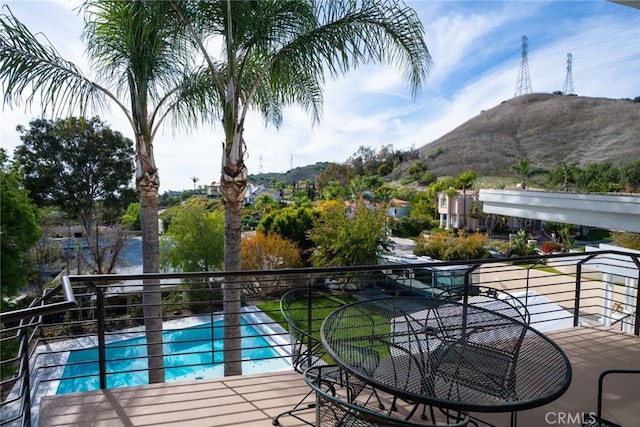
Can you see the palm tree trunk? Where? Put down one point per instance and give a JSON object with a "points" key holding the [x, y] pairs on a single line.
{"points": [[152, 295], [231, 290]]}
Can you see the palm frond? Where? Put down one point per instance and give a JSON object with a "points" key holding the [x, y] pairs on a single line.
{"points": [[30, 67], [349, 34], [193, 102]]}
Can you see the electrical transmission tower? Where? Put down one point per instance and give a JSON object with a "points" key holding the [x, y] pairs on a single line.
{"points": [[260, 164], [568, 81], [524, 79]]}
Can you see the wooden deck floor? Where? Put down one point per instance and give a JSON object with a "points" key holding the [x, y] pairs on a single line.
{"points": [[253, 400]]}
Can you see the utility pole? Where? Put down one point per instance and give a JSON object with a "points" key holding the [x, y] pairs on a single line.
{"points": [[523, 86]]}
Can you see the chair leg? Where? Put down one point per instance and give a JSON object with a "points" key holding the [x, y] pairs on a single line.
{"points": [[300, 406], [304, 406]]}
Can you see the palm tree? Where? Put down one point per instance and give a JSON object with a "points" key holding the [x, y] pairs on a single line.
{"points": [[563, 173], [141, 67], [465, 180], [195, 179], [275, 55], [525, 170]]}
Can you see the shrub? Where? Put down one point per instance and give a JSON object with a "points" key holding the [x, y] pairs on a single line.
{"points": [[410, 226], [548, 247], [445, 247]]}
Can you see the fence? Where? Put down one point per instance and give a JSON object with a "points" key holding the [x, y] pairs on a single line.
{"points": [[89, 332]]}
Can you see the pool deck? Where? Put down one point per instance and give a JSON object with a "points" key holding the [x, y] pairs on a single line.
{"points": [[255, 399]]}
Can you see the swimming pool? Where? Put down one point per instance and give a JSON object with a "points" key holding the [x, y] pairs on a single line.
{"points": [[187, 352]]}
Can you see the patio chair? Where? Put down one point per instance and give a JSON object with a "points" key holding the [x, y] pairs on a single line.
{"points": [[491, 370], [491, 299], [333, 410], [304, 309], [596, 420]]}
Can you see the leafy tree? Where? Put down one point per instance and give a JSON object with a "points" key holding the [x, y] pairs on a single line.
{"points": [[46, 256], [599, 177], [464, 180], [335, 175], [267, 252], [631, 176], [409, 226], [383, 193], [74, 163], [422, 207], [426, 178], [416, 169], [442, 185], [194, 240], [131, 218], [348, 238], [198, 202], [294, 224], [404, 193], [333, 190], [168, 199], [361, 158], [144, 69], [19, 229]]}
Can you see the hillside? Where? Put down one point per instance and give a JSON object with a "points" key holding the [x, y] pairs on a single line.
{"points": [[292, 176], [543, 128]]}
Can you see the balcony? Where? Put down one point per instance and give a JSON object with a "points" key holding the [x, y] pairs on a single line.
{"points": [[587, 303]]}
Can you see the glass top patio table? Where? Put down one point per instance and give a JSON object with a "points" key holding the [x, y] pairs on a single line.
{"points": [[447, 354]]}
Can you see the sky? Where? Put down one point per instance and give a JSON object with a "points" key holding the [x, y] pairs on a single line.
{"points": [[476, 48]]}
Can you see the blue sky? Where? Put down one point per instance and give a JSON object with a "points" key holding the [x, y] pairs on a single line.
{"points": [[476, 50]]}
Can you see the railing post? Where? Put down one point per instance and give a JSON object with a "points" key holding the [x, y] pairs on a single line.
{"points": [[102, 351], [636, 323], [26, 381], [576, 301], [309, 313]]}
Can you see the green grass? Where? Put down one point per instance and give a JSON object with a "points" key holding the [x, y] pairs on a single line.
{"points": [[597, 234], [321, 308]]}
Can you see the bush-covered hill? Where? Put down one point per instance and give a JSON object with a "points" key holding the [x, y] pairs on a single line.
{"points": [[545, 129]]}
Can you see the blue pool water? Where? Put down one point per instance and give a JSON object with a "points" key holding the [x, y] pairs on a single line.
{"points": [[127, 362]]}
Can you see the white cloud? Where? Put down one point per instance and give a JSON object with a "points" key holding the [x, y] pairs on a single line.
{"points": [[476, 52]]}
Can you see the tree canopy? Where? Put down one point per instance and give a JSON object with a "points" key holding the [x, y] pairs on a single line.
{"points": [[74, 163], [19, 229], [195, 239], [348, 238]]}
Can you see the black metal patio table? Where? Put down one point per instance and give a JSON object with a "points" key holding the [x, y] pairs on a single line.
{"points": [[447, 355]]}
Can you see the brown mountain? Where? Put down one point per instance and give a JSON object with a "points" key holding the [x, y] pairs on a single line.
{"points": [[545, 129]]}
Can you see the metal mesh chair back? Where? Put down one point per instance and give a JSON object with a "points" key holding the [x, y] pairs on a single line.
{"points": [[304, 309], [333, 410], [492, 299]]}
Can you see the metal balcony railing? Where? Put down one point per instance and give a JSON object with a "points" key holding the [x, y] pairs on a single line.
{"points": [[89, 332]]}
